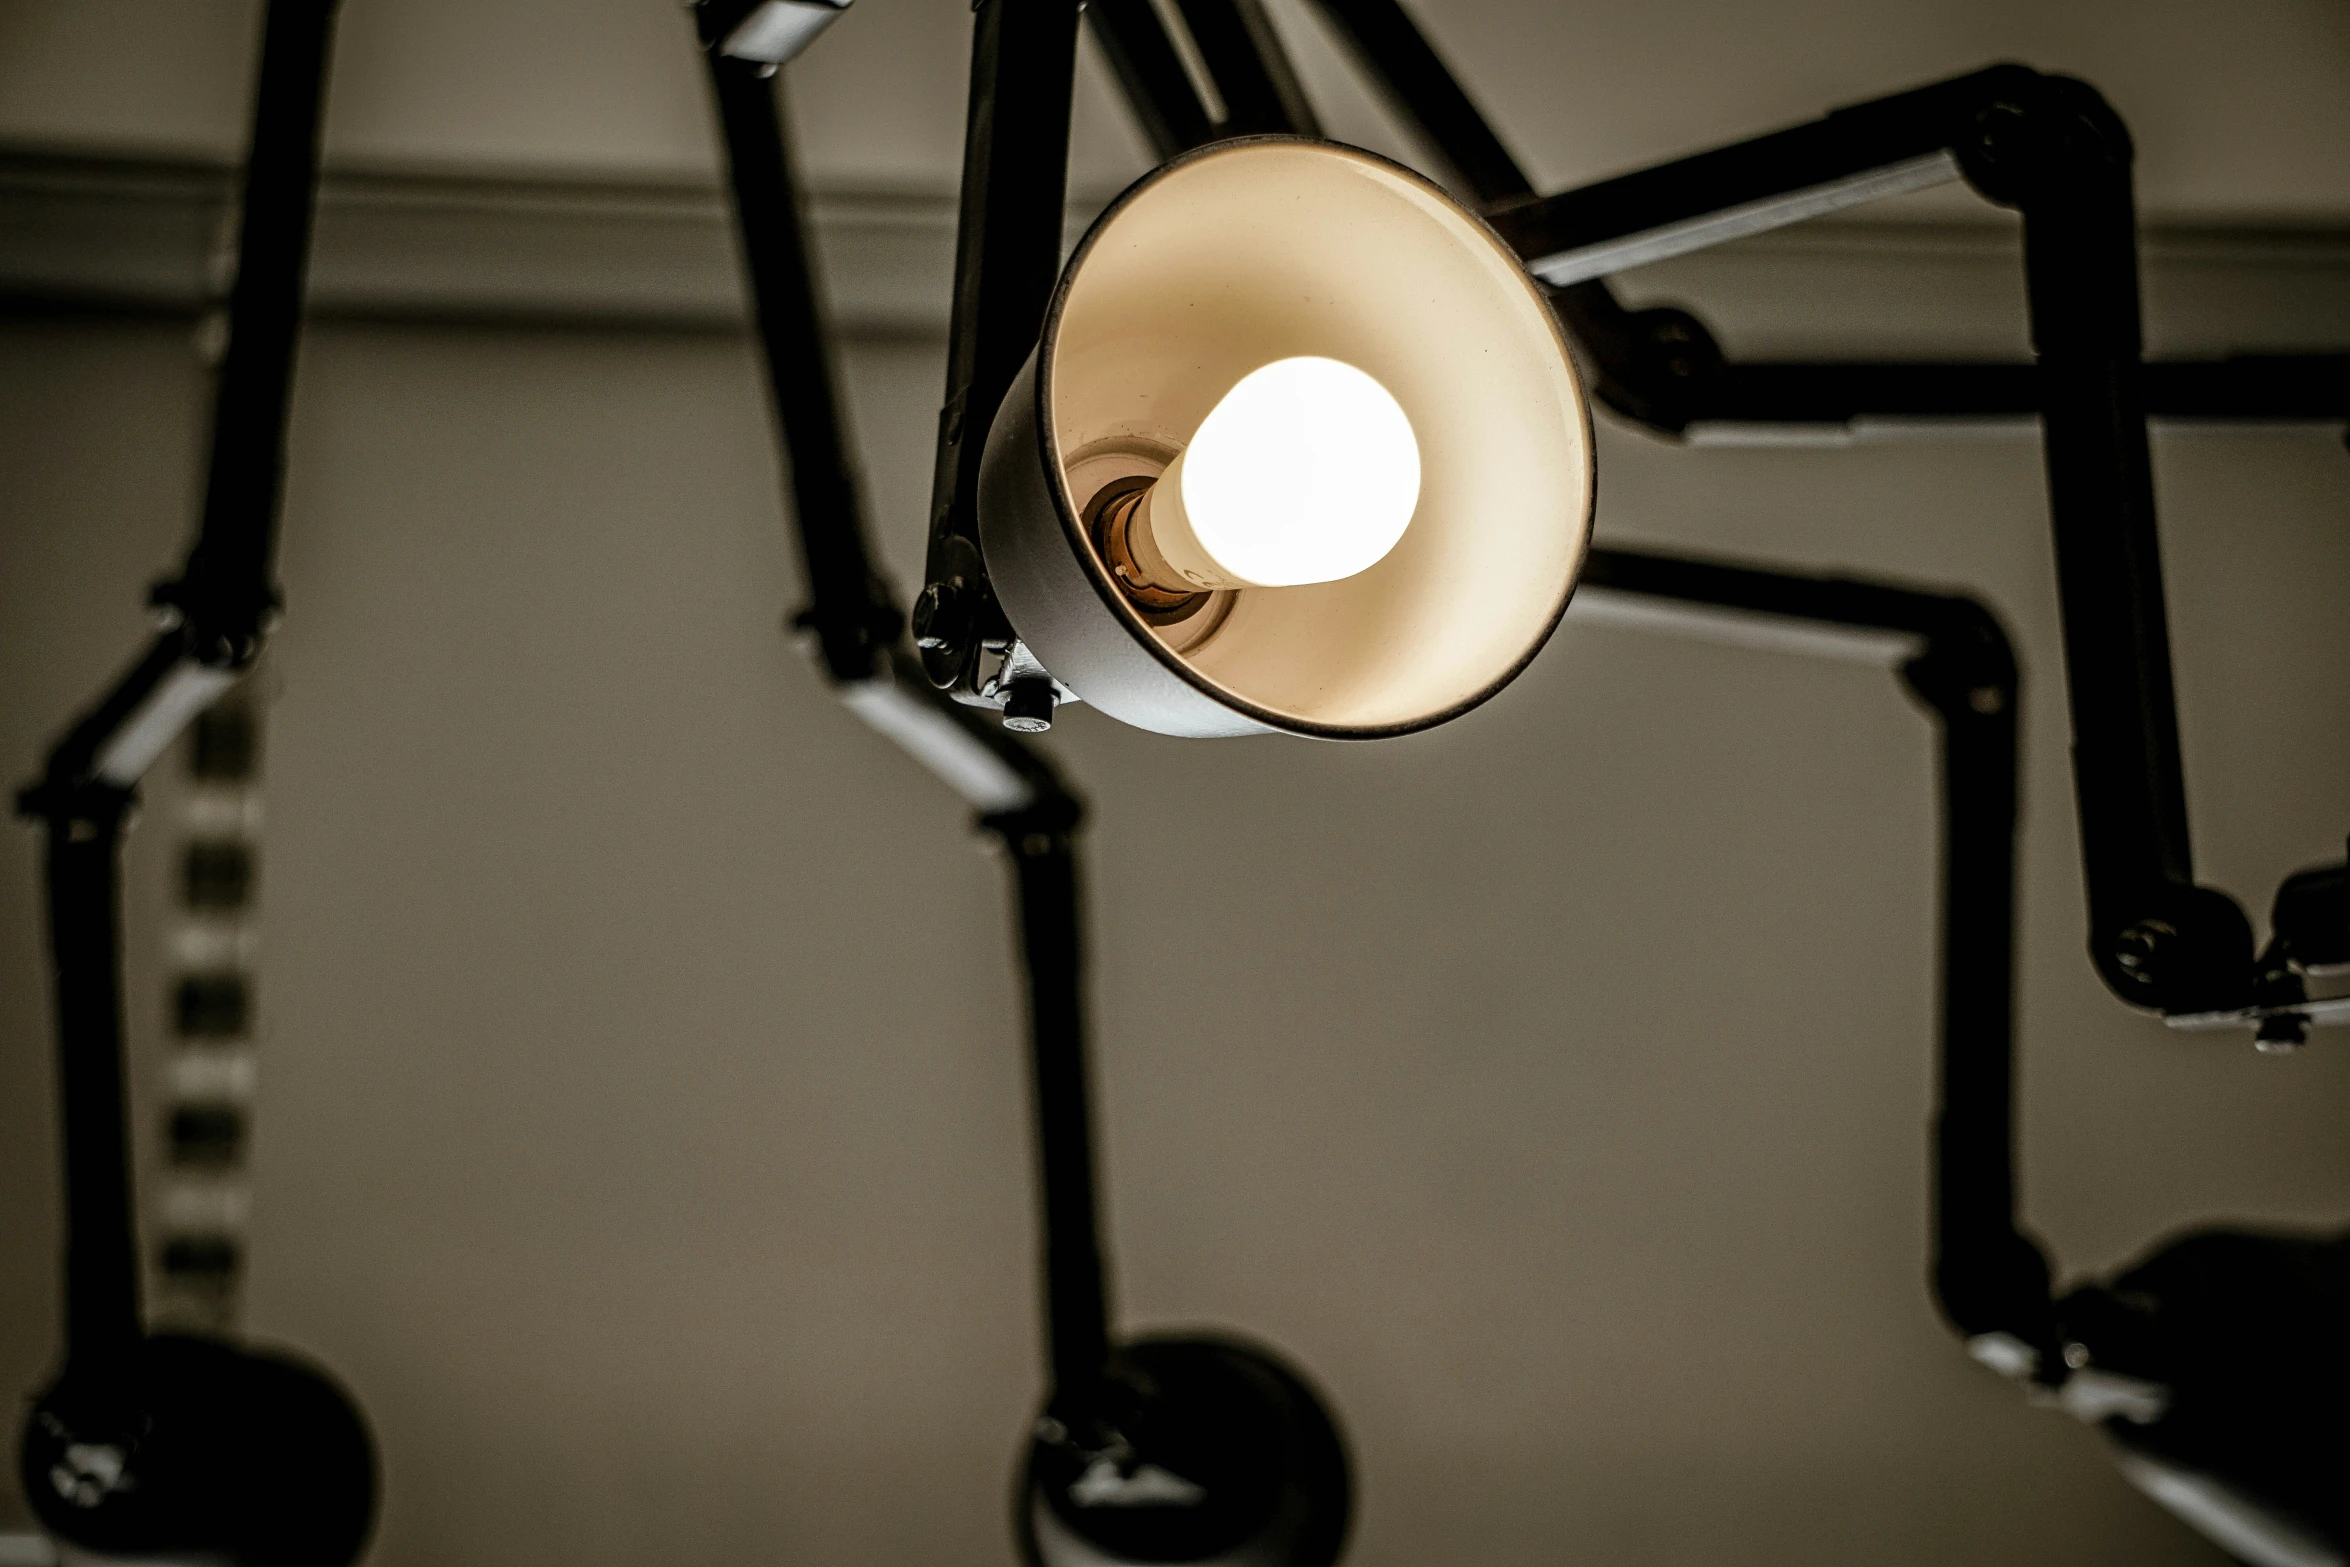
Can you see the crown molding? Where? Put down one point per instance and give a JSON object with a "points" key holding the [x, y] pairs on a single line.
{"points": [[151, 236], [119, 234]]}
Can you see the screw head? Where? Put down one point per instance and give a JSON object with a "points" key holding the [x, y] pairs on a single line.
{"points": [[2137, 950], [935, 615]]}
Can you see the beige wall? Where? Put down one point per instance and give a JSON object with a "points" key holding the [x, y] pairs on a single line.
{"points": [[2238, 111], [642, 1123]]}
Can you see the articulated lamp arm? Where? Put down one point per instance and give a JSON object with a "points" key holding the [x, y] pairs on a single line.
{"points": [[2212, 1365], [1255, 85], [216, 615], [1114, 1407], [1018, 795], [1662, 368], [1991, 1279], [1007, 260], [2052, 149], [165, 1445]]}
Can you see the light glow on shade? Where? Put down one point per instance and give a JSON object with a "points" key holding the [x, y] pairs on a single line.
{"points": [[1307, 471]]}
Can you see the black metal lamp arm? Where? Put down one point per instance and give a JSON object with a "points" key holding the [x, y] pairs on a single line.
{"points": [[1908, 141], [1628, 349], [2051, 148], [1726, 393], [220, 607], [2005, 130], [1039, 842], [1020, 798], [1007, 261], [1660, 366], [849, 611], [82, 867], [227, 593], [218, 610], [1240, 54], [1249, 68], [1150, 70], [1991, 1279]]}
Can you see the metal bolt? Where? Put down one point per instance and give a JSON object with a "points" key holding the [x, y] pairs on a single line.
{"points": [[2137, 948], [1028, 705], [934, 617], [2281, 1034]]}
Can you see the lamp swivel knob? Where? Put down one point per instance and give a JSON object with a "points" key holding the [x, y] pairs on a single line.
{"points": [[1028, 705]]}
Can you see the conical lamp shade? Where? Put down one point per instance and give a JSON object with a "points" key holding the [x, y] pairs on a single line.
{"points": [[1211, 267]]}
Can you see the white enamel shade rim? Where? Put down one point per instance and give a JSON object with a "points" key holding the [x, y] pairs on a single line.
{"points": [[1097, 575]]}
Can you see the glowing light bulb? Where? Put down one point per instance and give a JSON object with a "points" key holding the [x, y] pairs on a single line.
{"points": [[1306, 471]]}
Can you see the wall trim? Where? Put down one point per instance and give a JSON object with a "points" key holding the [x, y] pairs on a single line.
{"points": [[106, 234]]}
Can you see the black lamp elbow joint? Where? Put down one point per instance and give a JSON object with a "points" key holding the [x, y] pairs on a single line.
{"points": [[956, 615], [2019, 137], [1967, 670], [2310, 921], [1660, 367], [1996, 1291], [2031, 137], [1044, 828], [957, 620], [2176, 948], [225, 623], [852, 641]]}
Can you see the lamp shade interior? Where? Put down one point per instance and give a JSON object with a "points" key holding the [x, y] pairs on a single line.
{"points": [[1262, 250]]}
